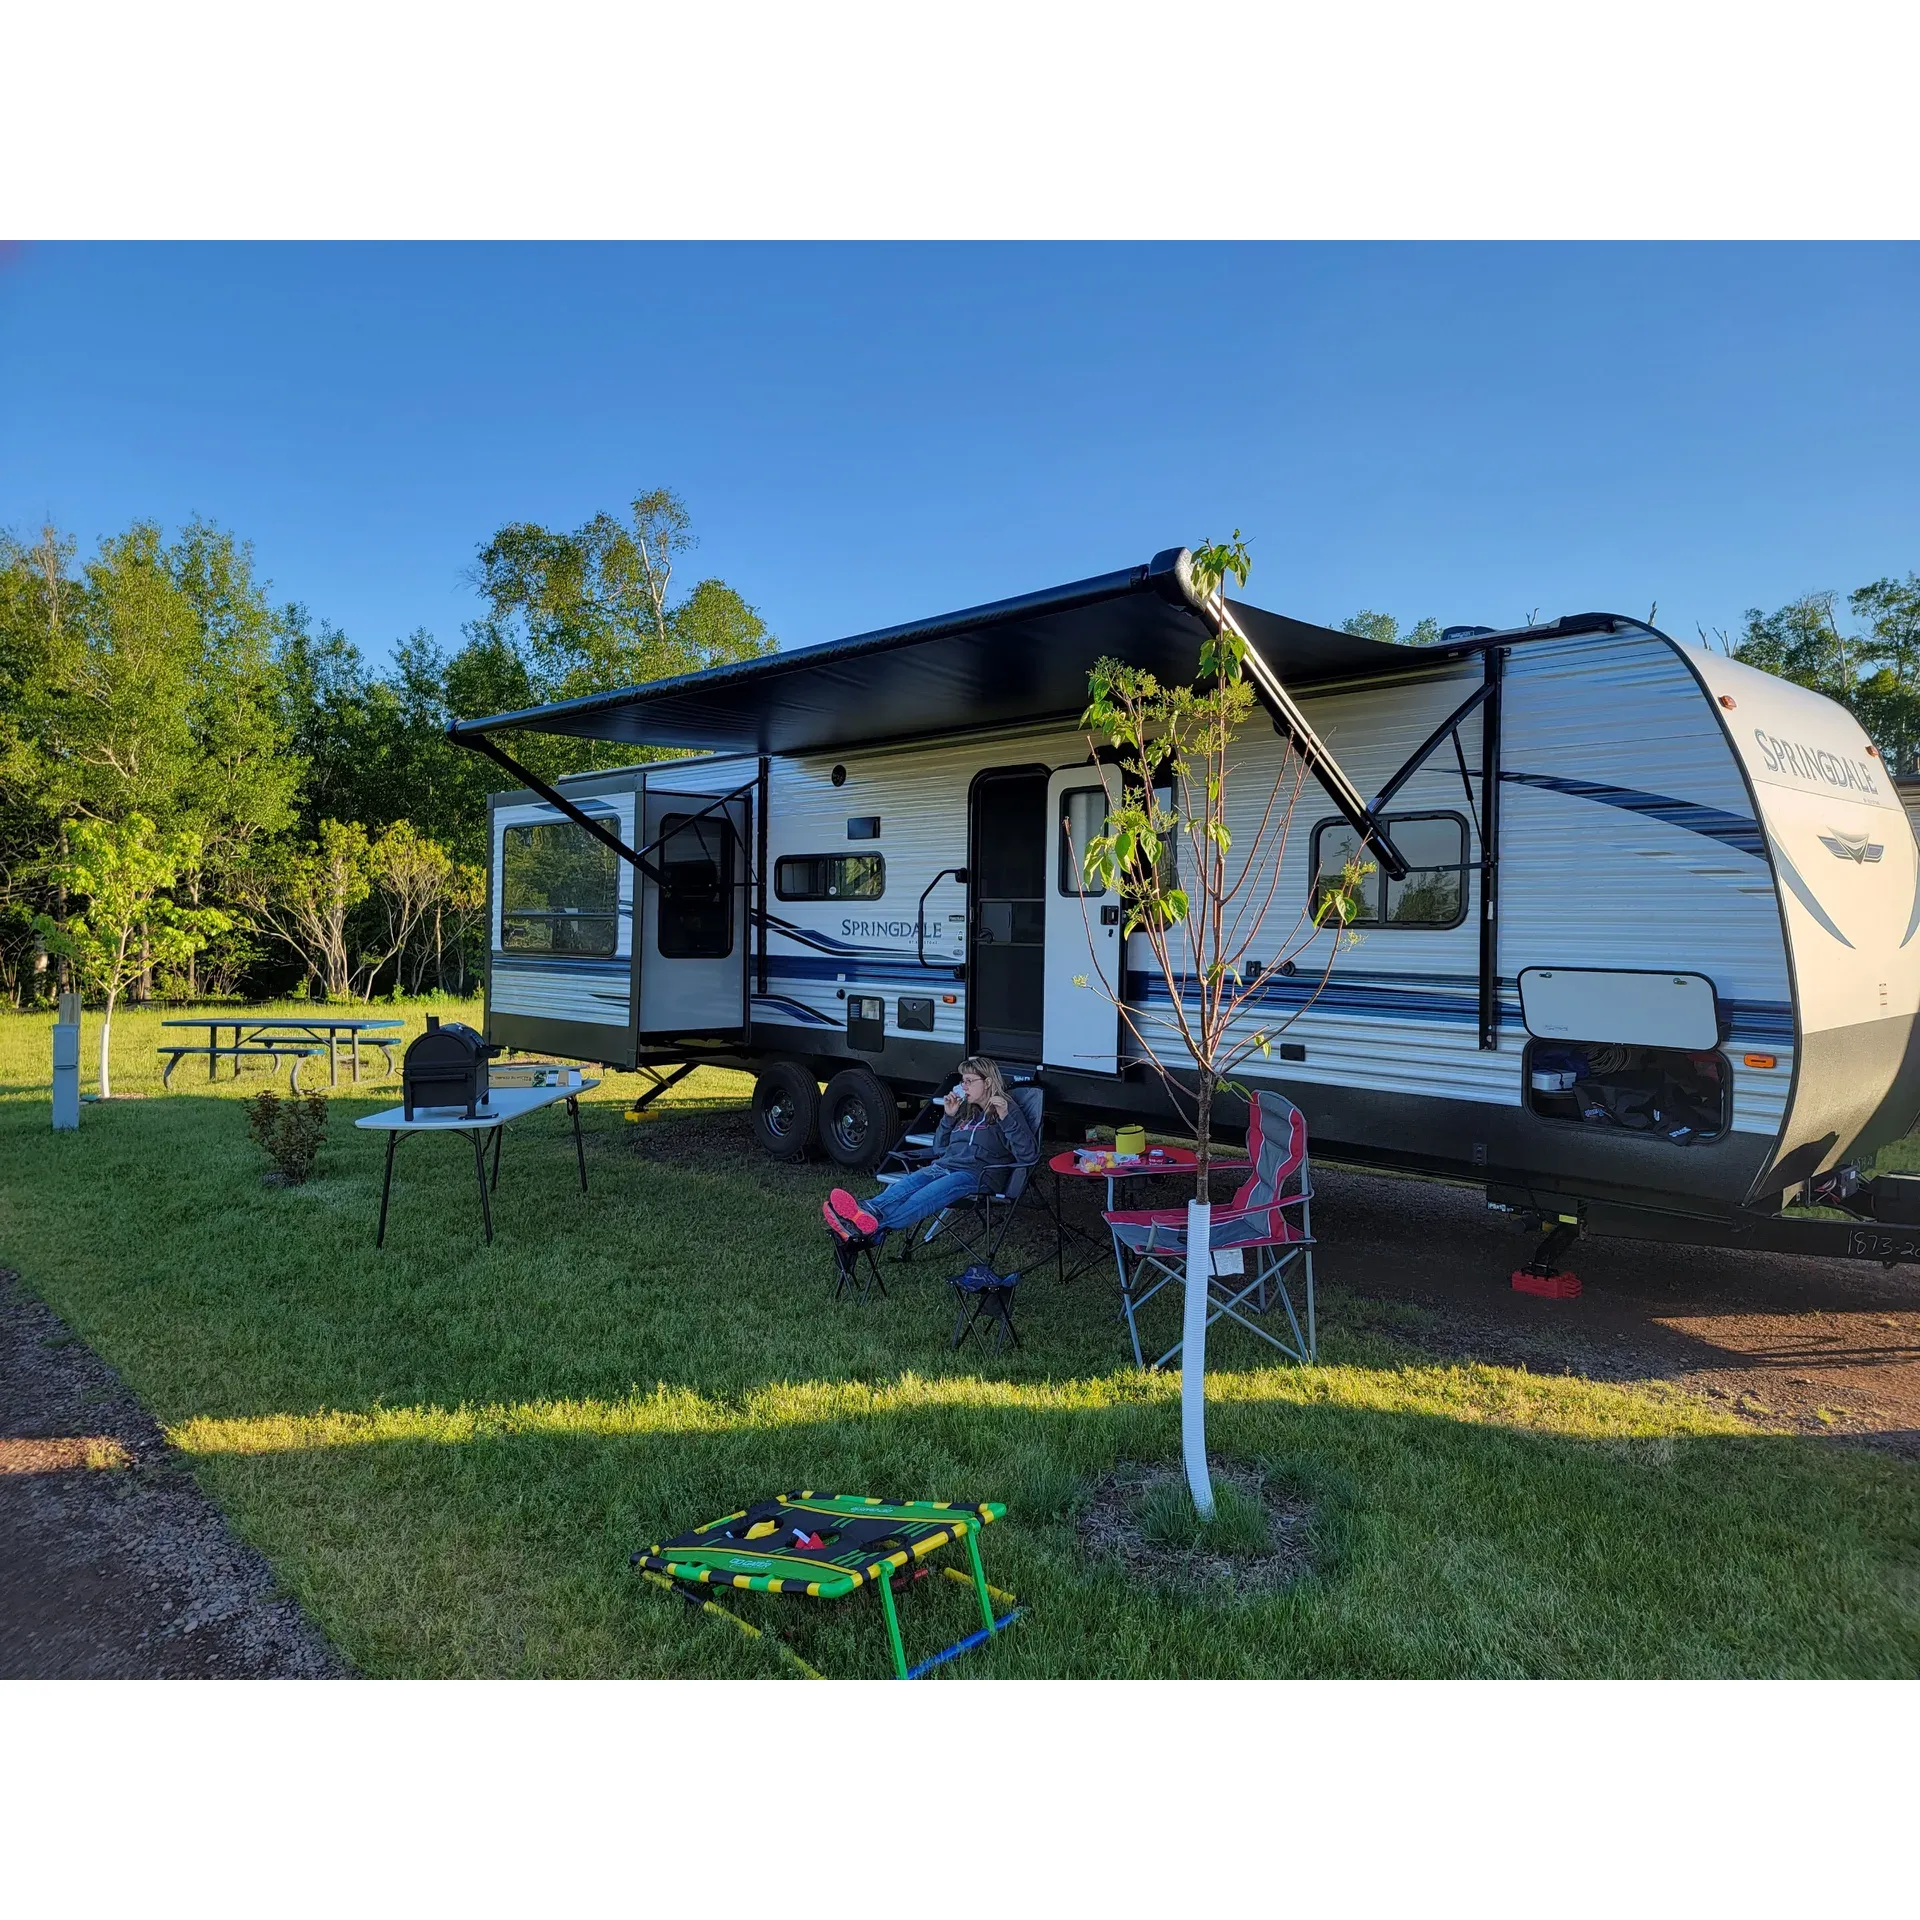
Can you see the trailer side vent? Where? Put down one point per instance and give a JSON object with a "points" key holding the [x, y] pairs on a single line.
{"points": [[864, 826], [916, 1013]]}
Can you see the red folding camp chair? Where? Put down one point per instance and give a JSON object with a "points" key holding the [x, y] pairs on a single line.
{"points": [[1267, 1222]]}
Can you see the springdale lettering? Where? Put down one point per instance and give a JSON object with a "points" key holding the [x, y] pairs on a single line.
{"points": [[1814, 763]]}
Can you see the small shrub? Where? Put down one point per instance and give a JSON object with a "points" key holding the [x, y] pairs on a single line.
{"points": [[289, 1131]]}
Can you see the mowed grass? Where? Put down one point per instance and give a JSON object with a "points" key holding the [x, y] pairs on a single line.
{"points": [[448, 1451]]}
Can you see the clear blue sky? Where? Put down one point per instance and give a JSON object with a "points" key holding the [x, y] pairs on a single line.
{"points": [[867, 434]]}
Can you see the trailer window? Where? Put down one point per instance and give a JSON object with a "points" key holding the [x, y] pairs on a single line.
{"points": [[831, 876], [696, 897], [559, 891], [1083, 816], [1434, 893]]}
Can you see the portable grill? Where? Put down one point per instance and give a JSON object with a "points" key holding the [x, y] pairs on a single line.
{"points": [[446, 1067]]}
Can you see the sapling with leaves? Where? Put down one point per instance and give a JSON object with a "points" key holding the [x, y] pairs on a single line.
{"points": [[1202, 902], [125, 872]]}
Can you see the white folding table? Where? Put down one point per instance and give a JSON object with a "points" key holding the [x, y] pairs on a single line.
{"points": [[503, 1105]]}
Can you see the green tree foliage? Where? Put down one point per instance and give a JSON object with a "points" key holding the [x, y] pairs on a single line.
{"points": [[123, 870], [1385, 628], [332, 823], [1874, 673]]}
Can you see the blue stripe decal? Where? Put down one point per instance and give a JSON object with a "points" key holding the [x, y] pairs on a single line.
{"points": [[571, 963], [1747, 1020], [807, 1016], [1913, 920], [1737, 830], [806, 966]]}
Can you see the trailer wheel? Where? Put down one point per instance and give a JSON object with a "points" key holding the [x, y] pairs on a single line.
{"points": [[859, 1118], [786, 1109]]}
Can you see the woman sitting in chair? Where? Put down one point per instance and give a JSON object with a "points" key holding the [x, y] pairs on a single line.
{"points": [[982, 1137]]}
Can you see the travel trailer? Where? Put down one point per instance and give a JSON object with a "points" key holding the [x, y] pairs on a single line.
{"points": [[1638, 953]]}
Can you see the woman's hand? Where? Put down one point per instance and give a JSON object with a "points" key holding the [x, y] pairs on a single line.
{"points": [[997, 1106], [951, 1104]]}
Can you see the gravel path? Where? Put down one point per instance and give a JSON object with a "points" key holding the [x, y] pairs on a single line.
{"points": [[113, 1563]]}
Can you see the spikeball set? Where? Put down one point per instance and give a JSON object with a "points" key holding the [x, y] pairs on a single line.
{"points": [[825, 1546]]}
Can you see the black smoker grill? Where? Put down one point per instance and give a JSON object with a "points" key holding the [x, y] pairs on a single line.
{"points": [[446, 1067]]}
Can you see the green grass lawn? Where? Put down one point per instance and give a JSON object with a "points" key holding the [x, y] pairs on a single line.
{"points": [[448, 1451]]}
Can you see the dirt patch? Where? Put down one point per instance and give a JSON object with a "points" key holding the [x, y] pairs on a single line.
{"points": [[1116, 1525], [113, 1563], [1827, 1348]]}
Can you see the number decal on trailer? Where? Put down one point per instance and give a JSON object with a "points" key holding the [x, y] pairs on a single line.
{"points": [[1882, 1246]]}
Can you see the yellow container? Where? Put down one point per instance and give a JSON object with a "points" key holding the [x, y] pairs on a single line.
{"points": [[1130, 1140]]}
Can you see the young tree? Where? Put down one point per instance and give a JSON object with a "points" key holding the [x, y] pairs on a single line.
{"points": [[412, 875], [304, 896], [124, 870], [1169, 850], [1202, 902]]}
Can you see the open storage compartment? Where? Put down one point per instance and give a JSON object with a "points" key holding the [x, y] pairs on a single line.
{"points": [[1664, 1093]]}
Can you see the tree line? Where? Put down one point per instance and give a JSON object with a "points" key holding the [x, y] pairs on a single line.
{"points": [[206, 794], [1873, 671]]}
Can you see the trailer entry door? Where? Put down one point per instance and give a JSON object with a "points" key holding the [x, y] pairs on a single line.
{"points": [[693, 920], [1084, 952], [1009, 875]]}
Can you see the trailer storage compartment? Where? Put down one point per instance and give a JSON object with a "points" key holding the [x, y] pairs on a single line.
{"points": [[1667, 1092]]}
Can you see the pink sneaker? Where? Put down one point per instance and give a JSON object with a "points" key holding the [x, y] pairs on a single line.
{"points": [[841, 1202], [835, 1225]]}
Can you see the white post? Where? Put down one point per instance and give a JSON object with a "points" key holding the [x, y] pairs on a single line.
{"points": [[66, 1065], [1193, 1356]]}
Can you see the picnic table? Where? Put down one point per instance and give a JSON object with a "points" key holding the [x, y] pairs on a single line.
{"points": [[503, 1106], [296, 1039]]}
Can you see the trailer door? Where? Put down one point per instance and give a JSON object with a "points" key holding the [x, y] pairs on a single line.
{"points": [[1084, 948], [693, 919]]}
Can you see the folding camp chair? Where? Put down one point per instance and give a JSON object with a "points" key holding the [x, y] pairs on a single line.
{"points": [[978, 1224], [1267, 1222]]}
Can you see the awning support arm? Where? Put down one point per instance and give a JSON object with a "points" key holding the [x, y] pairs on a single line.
{"points": [[1424, 752], [1288, 718], [585, 821], [739, 793]]}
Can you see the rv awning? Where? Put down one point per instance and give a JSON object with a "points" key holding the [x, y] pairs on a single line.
{"points": [[997, 665]]}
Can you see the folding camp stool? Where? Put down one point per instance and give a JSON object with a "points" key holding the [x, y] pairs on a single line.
{"points": [[1269, 1219], [992, 1296], [847, 1258]]}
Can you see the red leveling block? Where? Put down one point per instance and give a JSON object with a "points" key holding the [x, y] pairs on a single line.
{"points": [[1550, 1286]]}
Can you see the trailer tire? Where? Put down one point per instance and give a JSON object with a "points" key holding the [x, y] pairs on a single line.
{"points": [[859, 1118], [786, 1109]]}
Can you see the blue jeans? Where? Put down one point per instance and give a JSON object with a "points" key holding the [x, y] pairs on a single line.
{"points": [[920, 1195]]}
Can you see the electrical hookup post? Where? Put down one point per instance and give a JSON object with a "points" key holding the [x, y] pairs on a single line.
{"points": [[1193, 1356], [66, 1065]]}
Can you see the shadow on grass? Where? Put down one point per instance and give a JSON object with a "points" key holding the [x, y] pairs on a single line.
{"points": [[1445, 1546]]}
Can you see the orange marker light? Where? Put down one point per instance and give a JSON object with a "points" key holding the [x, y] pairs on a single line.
{"points": [[949, 999], [1760, 1060], [1727, 701]]}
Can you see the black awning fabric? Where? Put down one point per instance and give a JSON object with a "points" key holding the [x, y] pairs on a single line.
{"points": [[999, 665]]}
